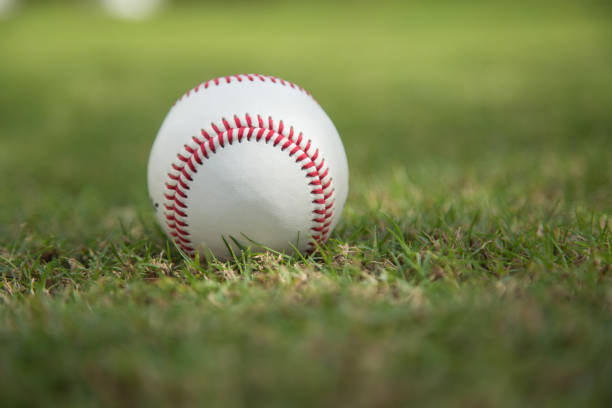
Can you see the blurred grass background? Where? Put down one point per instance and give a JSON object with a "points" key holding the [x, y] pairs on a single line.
{"points": [[476, 92], [456, 117]]}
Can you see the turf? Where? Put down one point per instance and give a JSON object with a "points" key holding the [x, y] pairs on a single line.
{"points": [[472, 265]]}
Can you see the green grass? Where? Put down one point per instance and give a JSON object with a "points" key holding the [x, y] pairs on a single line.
{"points": [[472, 265]]}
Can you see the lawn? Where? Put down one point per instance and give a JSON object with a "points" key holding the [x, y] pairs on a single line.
{"points": [[472, 263]]}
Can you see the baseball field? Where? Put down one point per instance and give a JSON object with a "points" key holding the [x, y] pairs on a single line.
{"points": [[472, 265]]}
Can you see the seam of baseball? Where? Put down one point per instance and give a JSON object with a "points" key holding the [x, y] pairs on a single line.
{"points": [[219, 81], [240, 129]]}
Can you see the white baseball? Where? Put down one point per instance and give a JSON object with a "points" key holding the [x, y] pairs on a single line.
{"points": [[251, 159], [132, 9]]}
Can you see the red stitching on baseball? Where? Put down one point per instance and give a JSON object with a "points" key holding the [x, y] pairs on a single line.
{"points": [[178, 181], [221, 81]]}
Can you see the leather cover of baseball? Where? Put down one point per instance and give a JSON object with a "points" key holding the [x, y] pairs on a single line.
{"points": [[247, 160]]}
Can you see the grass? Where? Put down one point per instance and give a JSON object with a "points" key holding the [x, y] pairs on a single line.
{"points": [[472, 265]]}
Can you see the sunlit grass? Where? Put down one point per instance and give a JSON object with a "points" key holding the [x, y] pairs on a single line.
{"points": [[472, 265]]}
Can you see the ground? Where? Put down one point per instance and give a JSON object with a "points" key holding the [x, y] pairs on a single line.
{"points": [[472, 263]]}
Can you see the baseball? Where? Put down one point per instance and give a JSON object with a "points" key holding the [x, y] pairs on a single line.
{"points": [[247, 161]]}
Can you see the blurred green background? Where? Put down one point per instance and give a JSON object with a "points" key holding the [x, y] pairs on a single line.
{"points": [[471, 91], [491, 117]]}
